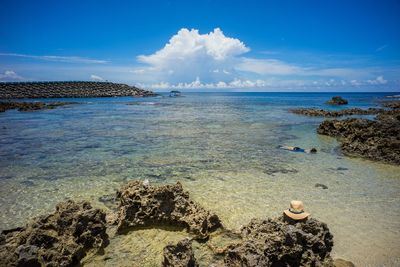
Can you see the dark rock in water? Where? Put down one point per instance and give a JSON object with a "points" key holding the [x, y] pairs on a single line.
{"points": [[392, 104], [58, 239], [337, 100], [342, 263], [276, 242], [179, 255], [329, 113], [146, 205], [31, 106], [321, 186], [374, 139], [342, 169]]}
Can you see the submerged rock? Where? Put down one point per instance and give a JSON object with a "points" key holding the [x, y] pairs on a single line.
{"points": [[321, 186], [328, 113], [179, 255], [58, 239], [337, 100], [276, 242], [31, 106], [147, 205]]}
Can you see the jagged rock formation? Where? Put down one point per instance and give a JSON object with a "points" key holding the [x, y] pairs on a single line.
{"points": [[30, 106], [179, 255], [374, 139], [328, 113], [68, 89], [337, 100], [58, 239], [146, 205], [276, 242], [392, 104]]}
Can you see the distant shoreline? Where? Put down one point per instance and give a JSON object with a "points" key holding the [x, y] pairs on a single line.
{"points": [[69, 89]]}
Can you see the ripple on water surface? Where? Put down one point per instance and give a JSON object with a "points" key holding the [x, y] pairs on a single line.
{"points": [[223, 148]]}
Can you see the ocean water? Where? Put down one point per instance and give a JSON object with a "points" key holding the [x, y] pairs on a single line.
{"points": [[223, 148]]}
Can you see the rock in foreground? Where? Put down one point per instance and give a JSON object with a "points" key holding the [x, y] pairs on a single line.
{"points": [[146, 205], [337, 100], [58, 239], [179, 255], [275, 242]]}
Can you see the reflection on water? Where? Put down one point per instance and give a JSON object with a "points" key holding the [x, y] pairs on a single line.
{"points": [[222, 147]]}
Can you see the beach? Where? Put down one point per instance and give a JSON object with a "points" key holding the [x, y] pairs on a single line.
{"points": [[222, 147]]}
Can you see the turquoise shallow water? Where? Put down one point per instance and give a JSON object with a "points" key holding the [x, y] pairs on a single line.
{"points": [[221, 146]]}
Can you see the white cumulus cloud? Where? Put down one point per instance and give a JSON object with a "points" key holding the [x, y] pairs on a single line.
{"points": [[10, 76], [190, 54], [96, 78]]}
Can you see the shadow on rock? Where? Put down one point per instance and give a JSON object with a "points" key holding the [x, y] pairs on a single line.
{"points": [[59, 239], [146, 205]]}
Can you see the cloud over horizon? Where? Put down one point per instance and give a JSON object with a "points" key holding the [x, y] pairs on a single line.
{"points": [[194, 60]]}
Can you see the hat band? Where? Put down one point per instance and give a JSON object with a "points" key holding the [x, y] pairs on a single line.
{"points": [[296, 212]]}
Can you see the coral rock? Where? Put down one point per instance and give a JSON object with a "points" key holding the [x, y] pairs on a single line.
{"points": [[276, 242], [337, 100], [146, 205], [58, 239], [179, 255]]}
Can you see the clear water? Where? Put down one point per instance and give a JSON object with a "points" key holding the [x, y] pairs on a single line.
{"points": [[221, 146]]}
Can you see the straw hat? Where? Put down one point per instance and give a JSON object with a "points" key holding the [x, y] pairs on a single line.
{"points": [[296, 211]]}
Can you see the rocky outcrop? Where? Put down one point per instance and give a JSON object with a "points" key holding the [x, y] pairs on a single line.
{"points": [[58, 239], [337, 100], [328, 113], [146, 205], [179, 255], [373, 139], [31, 106], [69, 89], [276, 242], [392, 104]]}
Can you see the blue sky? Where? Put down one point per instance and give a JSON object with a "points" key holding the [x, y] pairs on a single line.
{"points": [[205, 45]]}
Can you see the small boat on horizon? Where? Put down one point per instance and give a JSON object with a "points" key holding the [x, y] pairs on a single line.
{"points": [[174, 93]]}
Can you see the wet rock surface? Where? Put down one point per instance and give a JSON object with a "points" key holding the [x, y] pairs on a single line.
{"points": [[339, 113], [392, 104], [31, 106], [276, 242], [58, 239], [65, 89], [377, 139], [337, 100], [179, 255], [373, 139], [146, 205]]}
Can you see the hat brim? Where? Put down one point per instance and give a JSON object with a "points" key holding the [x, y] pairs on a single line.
{"points": [[295, 216]]}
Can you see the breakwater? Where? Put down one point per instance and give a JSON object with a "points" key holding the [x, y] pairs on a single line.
{"points": [[69, 89]]}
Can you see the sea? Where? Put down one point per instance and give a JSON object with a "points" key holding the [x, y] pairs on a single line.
{"points": [[223, 148]]}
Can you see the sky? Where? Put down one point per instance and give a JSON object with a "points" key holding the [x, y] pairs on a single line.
{"points": [[205, 45]]}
